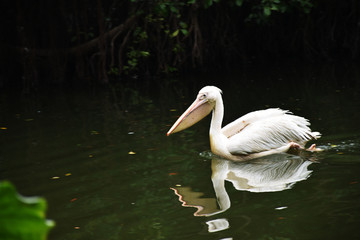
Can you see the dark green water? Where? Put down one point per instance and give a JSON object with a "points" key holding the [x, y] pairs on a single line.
{"points": [[102, 160]]}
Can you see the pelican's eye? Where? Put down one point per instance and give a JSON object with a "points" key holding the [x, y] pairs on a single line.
{"points": [[202, 96]]}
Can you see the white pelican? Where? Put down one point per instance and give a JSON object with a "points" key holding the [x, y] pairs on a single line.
{"points": [[253, 135]]}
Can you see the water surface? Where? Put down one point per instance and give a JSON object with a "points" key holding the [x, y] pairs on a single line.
{"points": [[102, 160]]}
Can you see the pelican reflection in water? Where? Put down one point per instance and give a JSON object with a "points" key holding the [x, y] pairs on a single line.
{"points": [[253, 135], [272, 173]]}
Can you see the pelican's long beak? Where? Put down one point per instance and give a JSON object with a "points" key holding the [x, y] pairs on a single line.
{"points": [[199, 109]]}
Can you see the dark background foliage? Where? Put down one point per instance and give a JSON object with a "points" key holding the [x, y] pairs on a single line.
{"points": [[102, 41]]}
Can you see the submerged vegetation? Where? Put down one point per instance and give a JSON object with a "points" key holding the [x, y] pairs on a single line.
{"points": [[112, 40]]}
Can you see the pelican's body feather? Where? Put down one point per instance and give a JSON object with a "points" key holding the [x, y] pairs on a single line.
{"points": [[267, 129]]}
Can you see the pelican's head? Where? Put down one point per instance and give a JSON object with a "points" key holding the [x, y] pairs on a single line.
{"points": [[200, 108]]}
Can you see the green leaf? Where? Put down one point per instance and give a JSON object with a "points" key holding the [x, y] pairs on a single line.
{"points": [[174, 34], [208, 3], [163, 6], [183, 24], [184, 31], [174, 9], [267, 11], [22, 218], [144, 53], [239, 3], [274, 8]]}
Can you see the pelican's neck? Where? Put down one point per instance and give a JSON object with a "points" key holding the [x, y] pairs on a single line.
{"points": [[218, 141], [217, 117], [220, 169]]}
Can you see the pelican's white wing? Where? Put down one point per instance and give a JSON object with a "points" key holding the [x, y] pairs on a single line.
{"points": [[239, 124], [265, 130]]}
